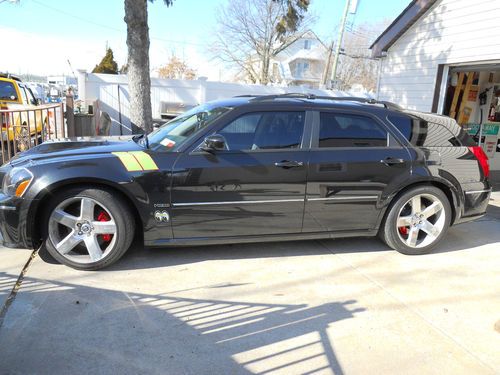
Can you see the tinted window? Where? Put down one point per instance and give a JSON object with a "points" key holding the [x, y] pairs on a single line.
{"points": [[7, 91], [422, 133], [265, 130], [23, 94], [403, 123], [340, 130], [31, 97], [465, 139]]}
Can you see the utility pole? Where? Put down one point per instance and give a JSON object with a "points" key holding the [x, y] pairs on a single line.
{"points": [[339, 40], [326, 71]]}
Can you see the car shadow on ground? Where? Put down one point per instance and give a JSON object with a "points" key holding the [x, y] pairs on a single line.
{"points": [[183, 335], [460, 237]]}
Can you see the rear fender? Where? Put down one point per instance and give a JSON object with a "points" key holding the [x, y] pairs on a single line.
{"points": [[454, 194]]}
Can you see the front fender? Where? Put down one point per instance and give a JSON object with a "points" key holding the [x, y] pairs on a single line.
{"points": [[104, 172]]}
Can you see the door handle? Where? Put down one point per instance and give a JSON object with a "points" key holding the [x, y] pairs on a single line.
{"points": [[392, 161], [286, 164]]}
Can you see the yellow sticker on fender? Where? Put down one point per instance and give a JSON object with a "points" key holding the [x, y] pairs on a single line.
{"points": [[135, 161], [129, 161], [146, 161]]}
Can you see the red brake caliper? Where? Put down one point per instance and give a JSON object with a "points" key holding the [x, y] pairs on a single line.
{"points": [[103, 216], [403, 230]]}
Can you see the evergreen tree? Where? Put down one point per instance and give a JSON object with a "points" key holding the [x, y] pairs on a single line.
{"points": [[107, 65]]}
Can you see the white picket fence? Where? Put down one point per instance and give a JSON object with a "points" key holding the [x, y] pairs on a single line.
{"points": [[109, 93]]}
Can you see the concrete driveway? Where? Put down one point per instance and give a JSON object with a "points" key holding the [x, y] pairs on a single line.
{"points": [[340, 306]]}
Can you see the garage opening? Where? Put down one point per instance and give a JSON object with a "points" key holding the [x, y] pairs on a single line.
{"points": [[472, 97]]}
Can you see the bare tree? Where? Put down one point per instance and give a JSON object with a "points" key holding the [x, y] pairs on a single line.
{"points": [[139, 81], [176, 68], [251, 33], [356, 65]]}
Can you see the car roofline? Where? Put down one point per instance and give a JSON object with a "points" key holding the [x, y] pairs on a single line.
{"points": [[308, 96]]}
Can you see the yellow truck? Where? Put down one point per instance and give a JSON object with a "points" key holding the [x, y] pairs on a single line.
{"points": [[20, 120]]}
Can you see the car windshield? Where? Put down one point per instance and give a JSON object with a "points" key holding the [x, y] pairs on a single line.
{"points": [[174, 133], [7, 91]]}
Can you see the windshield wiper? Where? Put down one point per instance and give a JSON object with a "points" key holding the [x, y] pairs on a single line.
{"points": [[136, 138]]}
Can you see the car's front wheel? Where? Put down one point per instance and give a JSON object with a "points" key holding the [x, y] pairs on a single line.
{"points": [[417, 221], [88, 228]]}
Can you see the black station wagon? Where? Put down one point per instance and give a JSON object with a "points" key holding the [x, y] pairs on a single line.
{"points": [[247, 169]]}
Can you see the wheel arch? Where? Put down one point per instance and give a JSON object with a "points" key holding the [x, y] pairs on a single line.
{"points": [[37, 211], [448, 189]]}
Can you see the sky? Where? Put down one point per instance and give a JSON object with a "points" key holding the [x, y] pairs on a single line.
{"points": [[40, 36]]}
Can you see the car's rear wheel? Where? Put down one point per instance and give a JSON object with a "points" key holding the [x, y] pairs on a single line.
{"points": [[88, 228], [417, 221]]}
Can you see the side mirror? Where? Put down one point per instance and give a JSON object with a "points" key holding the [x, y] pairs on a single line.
{"points": [[38, 101], [214, 143]]}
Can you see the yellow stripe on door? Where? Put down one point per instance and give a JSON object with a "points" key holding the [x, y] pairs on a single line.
{"points": [[135, 161]]}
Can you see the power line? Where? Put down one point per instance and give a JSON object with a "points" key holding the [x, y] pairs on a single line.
{"points": [[106, 26]]}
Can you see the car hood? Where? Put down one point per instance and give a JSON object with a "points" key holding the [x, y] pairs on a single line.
{"points": [[75, 147]]}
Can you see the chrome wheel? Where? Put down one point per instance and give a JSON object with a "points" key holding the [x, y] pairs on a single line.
{"points": [[82, 230], [421, 220]]}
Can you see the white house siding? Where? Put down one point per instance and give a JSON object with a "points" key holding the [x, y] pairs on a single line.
{"points": [[451, 32]]}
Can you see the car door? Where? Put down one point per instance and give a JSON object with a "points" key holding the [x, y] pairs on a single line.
{"points": [[354, 163], [35, 117], [256, 186]]}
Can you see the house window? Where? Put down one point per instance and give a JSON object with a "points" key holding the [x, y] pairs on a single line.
{"points": [[301, 69], [307, 44]]}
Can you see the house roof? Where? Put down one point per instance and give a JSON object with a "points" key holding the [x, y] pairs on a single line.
{"points": [[398, 27]]}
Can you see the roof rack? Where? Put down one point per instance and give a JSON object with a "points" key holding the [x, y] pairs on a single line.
{"points": [[258, 98], [10, 76]]}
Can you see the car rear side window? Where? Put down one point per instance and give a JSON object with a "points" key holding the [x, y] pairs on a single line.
{"points": [[23, 94], [7, 91], [421, 133], [345, 130], [265, 130]]}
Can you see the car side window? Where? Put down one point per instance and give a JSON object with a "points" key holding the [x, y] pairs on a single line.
{"points": [[265, 130], [31, 97], [421, 133], [346, 130], [23, 94]]}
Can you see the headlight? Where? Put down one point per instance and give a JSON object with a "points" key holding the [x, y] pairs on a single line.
{"points": [[17, 181]]}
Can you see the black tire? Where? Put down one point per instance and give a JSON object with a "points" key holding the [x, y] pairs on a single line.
{"points": [[390, 233], [118, 210]]}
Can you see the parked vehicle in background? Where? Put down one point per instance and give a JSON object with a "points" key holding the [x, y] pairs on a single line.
{"points": [[55, 95], [39, 91], [247, 169], [22, 125]]}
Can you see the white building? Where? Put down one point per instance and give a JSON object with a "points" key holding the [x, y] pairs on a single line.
{"points": [[62, 81], [302, 63], [431, 40], [444, 56]]}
